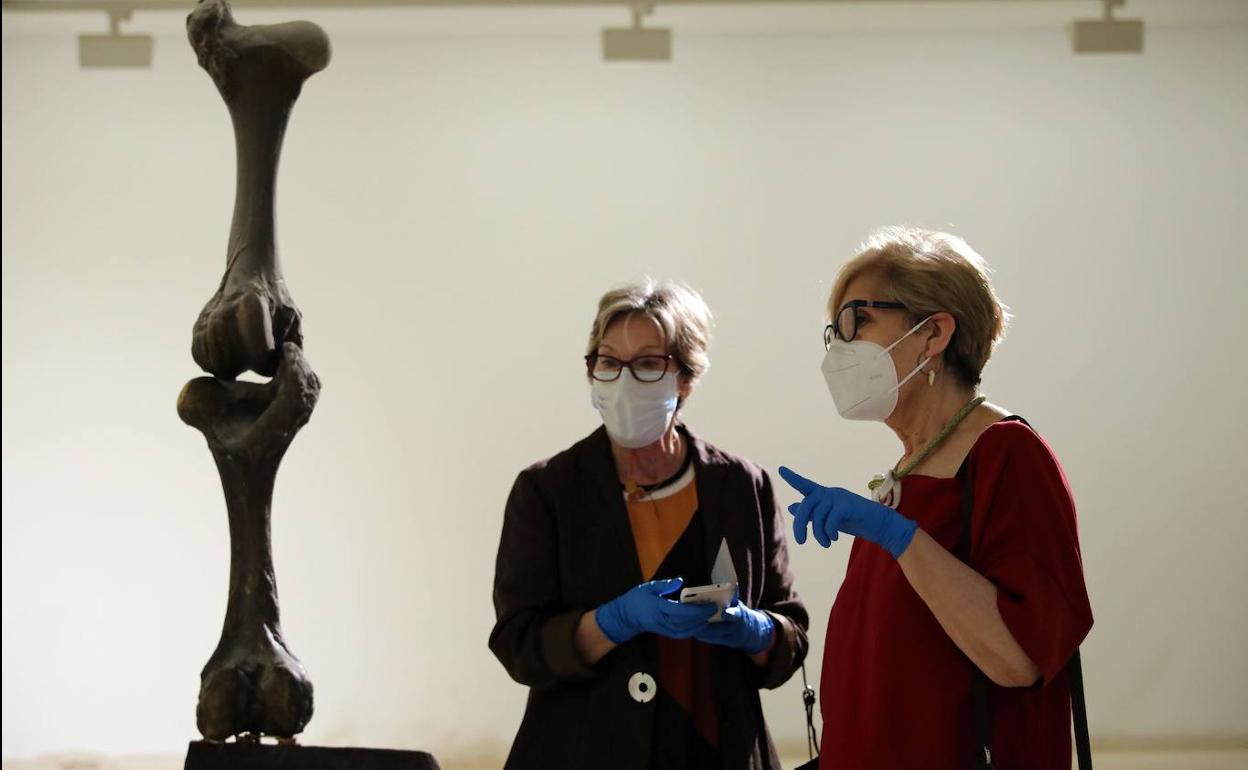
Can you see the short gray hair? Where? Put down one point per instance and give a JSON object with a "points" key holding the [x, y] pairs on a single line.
{"points": [[680, 312]]}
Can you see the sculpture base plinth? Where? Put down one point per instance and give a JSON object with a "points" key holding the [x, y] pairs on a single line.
{"points": [[204, 755]]}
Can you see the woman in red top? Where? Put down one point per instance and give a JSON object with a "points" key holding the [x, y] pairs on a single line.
{"points": [[914, 321]]}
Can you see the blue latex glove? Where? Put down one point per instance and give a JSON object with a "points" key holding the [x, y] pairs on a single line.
{"points": [[832, 510], [643, 609], [748, 630]]}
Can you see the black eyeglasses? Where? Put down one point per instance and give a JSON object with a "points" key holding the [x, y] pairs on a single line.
{"points": [[644, 368], [845, 326]]}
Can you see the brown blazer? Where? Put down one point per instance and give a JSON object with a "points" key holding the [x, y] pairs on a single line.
{"points": [[567, 547]]}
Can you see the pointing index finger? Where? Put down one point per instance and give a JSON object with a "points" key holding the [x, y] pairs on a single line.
{"points": [[797, 481]]}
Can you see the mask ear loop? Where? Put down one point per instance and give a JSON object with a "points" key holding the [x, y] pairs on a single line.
{"points": [[931, 373], [910, 376], [913, 329], [922, 363]]}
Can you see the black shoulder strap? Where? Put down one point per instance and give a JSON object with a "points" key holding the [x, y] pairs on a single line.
{"points": [[1079, 712], [812, 737], [979, 686]]}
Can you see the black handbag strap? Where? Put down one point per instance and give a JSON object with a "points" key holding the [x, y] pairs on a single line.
{"points": [[979, 684], [1079, 712], [812, 736], [808, 700]]}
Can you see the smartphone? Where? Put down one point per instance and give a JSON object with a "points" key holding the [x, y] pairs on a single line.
{"points": [[720, 594]]}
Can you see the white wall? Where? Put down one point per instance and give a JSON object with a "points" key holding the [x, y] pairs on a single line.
{"points": [[457, 189]]}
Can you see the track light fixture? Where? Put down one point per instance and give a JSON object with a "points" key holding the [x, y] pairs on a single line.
{"points": [[115, 49], [1107, 34], [637, 43]]}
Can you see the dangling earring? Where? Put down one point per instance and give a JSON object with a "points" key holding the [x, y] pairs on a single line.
{"points": [[931, 378]]}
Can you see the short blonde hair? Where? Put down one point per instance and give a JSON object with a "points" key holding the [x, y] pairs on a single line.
{"points": [[930, 272], [680, 312]]}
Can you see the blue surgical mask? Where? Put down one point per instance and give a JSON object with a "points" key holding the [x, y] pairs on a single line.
{"points": [[636, 413]]}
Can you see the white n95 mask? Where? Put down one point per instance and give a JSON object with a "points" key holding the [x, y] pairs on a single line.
{"points": [[862, 378], [635, 413]]}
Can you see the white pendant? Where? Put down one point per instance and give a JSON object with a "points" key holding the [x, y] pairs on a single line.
{"points": [[889, 490], [641, 687]]}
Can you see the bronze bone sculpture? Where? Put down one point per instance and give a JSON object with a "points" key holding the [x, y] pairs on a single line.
{"points": [[252, 685]]}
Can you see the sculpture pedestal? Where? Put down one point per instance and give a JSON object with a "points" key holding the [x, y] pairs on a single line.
{"points": [[202, 755]]}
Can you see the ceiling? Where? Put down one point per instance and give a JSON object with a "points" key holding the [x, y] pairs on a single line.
{"points": [[471, 18]]}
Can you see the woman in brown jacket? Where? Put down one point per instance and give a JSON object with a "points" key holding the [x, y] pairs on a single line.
{"points": [[598, 540]]}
